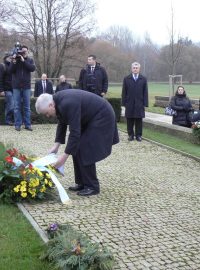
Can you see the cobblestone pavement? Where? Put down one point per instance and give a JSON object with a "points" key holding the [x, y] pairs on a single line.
{"points": [[148, 211]]}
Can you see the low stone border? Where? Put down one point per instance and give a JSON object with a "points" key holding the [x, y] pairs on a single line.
{"points": [[169, 148], [41, 233], [178, 131]]}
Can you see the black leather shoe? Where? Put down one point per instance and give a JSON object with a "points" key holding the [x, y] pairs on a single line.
{"points": [[17, 128], [29, 128], [139, 138], [87, 192], [131, 138], [76, 188]]}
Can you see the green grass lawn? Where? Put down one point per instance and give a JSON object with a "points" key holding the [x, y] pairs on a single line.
{"points": [[169, 140], [20, 245], [156, 89]]}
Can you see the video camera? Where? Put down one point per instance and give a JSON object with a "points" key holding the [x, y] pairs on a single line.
{"points": [[17, 50]]}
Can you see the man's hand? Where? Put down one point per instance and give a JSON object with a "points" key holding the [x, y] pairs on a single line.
{"points": [[61, 160], [14, 59], [55, 148], [2, 94], [103, 94], [21, 58]]}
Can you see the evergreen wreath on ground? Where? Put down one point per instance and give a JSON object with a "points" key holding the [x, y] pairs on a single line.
{"points": [[68, 249], [196, 129]]}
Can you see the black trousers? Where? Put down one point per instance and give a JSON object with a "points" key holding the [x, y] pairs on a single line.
{"points": [[137, 122], [85, 175]]}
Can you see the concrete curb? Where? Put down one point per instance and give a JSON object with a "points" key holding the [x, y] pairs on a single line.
{"points": [[169, 148], [41, 233]]}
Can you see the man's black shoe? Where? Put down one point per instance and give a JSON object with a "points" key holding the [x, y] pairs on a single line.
{"points": [[139, 138], [130, 138], [17, 128], [76, 188], [87, 192], [29, 128]]}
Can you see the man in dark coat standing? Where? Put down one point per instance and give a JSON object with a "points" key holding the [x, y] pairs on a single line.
{"points": [[93, 131], [63, 85], [43, 86], [93, 78], [135, 99], [6, 89]]}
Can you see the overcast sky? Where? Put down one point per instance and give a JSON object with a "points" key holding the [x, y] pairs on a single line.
{"points": [[152, 16]]}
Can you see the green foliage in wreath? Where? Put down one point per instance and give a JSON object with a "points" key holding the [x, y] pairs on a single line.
{"points": [[70, 250], [196, 130]]}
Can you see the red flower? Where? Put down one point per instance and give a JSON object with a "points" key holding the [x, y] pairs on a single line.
{"points": [[30, 166], [12, 152], [9, 159], [22, 158]]}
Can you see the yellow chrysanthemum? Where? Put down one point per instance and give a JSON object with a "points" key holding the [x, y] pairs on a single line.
{"points": [[17, 188], [23, 183], [46, 181], [43, 189], [50, 184], [24, 194], [23, 188]]}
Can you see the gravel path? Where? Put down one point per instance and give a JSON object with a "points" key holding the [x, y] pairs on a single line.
{"points": [[148, 211]]}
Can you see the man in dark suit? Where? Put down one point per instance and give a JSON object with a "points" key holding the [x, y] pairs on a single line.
{"points": [[43, 86], [135, 99], [93, 131], [93, 78]]}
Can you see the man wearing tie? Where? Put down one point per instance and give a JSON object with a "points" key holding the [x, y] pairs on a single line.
{"points": [[93, 78], [43, 86], [135, 99]]}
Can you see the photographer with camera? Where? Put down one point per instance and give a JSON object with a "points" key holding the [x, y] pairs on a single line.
{"points": [[21, 67], [93, 78], [6, 89]]}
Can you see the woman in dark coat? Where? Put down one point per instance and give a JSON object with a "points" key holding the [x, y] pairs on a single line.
{"points": [[92, 128], [182, 105]]}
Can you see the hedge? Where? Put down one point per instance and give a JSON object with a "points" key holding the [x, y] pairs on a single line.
{"points": [[40, 119]]}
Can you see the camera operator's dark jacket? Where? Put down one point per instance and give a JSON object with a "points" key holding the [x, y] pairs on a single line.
{"points": [[21, 73], [182, 105], [96, 82], [5, 77]]}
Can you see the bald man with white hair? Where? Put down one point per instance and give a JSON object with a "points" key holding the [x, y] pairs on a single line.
{"points": [[92, 132]]}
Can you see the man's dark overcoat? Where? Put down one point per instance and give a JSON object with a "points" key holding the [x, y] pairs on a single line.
{"points": [[39, 88], [99, 79], [135, 96], [92, 124]]}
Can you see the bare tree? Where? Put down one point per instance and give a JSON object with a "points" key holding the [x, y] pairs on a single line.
{"points": [[52, 29], [5, 10], [120, 37], [175, 50]]}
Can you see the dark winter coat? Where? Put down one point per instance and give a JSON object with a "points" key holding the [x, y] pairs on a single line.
{"points": [[182, 105], [96, 82], [135, 96], [63, 86], [196, 117], [39, 88], [21, 73], [5, 77], [91, 121]]}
